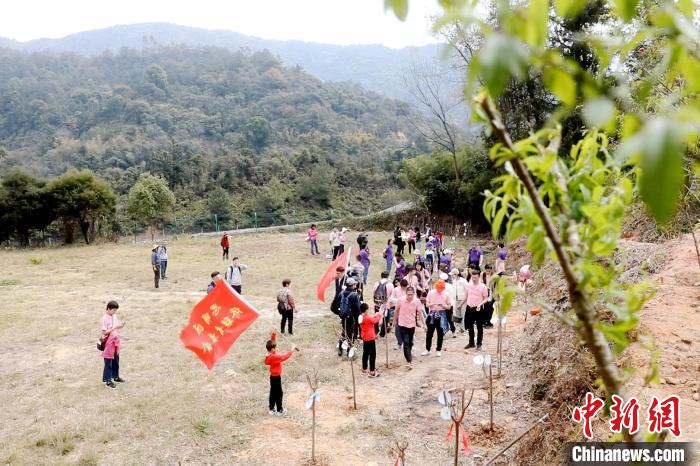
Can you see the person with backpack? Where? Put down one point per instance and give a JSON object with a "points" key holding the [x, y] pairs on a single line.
{"points": [[286, 306], [110, 327], [368, 334], [312, 236], [349, 311], [163, 259], [224, 247], [215, 277], [380, 295], [234, 274], [408, 315], [446, 261]]}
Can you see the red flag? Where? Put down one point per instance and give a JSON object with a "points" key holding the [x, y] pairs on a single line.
{"points": [[329, 275], [216, 322]]}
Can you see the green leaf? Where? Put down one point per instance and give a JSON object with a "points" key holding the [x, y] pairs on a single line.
{"points": [[569, 8], [499, 60], [537, 23], [599, 112], [662, 167], [562, 84], [626, 9], [399, 7]]}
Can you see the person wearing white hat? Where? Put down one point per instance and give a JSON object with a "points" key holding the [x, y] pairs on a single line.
{"points": [[155, 264]]}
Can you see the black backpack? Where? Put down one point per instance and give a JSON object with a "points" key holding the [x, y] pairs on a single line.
{"points": [[380, 295], [344, 305]]}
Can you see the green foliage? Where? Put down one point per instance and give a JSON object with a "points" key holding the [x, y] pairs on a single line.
{"points": [[150, 201], [25, 206], [432, 176], [318, 188], [257, 132], [203, 119], [84, 200]]}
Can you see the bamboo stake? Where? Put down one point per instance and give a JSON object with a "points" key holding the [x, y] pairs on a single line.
{"points": [[540, 420], [354, 394], [491, 394]]}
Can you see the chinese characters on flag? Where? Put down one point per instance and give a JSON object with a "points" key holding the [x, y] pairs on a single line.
{"points": [[216, 323], [664, 414]]}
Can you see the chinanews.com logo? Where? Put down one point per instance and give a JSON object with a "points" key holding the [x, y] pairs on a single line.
{"points": [[662, 415]]}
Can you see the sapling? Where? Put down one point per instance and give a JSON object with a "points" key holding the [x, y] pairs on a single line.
{"points": [[314, 398], [450, 412], [485, 362]]}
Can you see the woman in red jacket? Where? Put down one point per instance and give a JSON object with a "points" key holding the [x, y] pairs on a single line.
{"points": [[275, 360], [368, 333], [224, 246]]}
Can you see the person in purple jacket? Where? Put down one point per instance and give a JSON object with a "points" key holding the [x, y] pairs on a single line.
{"points": [[475, 254], [501, 258], [389, 255], [446, 261], [363, 258]]}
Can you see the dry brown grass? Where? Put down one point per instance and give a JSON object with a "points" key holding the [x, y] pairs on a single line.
{"points": [[172, 410]]}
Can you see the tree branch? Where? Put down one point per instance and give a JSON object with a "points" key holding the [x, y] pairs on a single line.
{"points": [[582, 304]]}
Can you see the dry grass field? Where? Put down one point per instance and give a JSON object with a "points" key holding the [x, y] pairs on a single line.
{"points": [[171, 410]]}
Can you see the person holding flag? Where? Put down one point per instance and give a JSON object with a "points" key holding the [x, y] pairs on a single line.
{"points": [[275, 360]]}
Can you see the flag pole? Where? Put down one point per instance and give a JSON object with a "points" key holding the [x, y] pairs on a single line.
{"points": [[285, 339]]}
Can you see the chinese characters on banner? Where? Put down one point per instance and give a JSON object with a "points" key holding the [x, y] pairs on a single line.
{"points": [[216, 322], [661, 414]]}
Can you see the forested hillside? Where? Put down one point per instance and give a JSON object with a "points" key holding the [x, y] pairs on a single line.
{"points": [[375, 67], [232, 133]]}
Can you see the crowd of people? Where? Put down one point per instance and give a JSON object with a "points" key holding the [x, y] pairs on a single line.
{"points": [[427, 290], [420, 286]]}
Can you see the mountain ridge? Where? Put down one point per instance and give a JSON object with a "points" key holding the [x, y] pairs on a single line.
{"points": [[376, 67]]}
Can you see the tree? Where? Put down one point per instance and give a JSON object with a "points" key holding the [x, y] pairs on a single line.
{"points": [[319, 187], [219, 204], [83, 199], [24, 205], [438, 127], [156, 75], [150, 202], [257, 132]]}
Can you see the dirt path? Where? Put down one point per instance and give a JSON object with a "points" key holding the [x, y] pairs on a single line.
{"points": [[400, 404], [672, 316]]}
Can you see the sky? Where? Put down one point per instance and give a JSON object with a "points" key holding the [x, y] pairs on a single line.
{"points": [[327, 21]]}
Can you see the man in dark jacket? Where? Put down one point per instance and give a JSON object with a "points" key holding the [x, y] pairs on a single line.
{"points": [[155, 264], [349, 316]]}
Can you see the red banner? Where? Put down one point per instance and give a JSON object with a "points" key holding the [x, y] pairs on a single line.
{"points": [[329, 275], [216, 323]]}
